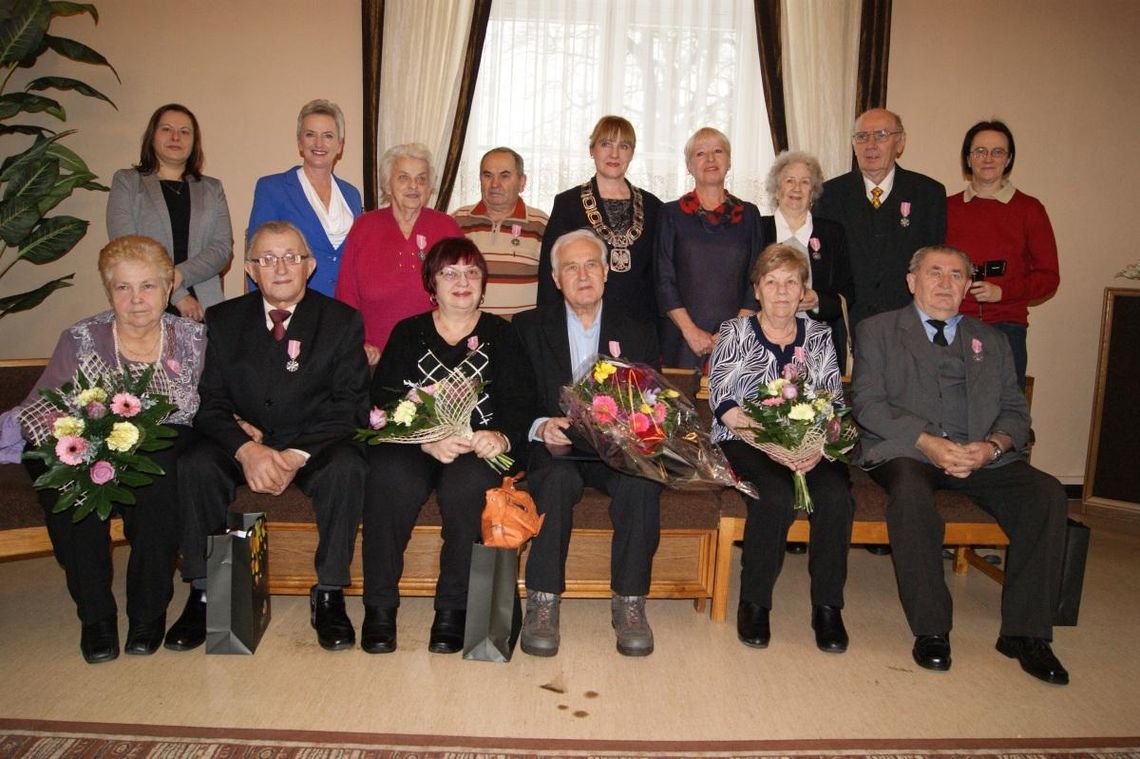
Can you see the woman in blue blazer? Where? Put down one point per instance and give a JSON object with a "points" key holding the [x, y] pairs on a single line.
{"points": [[166, 197], [309, 196]]}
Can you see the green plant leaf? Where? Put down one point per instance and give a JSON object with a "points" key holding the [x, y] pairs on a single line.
{"points": [[77, 51], [33, 180], [33, 153], [62, 189], [118, 494], [15, 102], [69, 160], [22, 30], [17, 217], [133, 479], [66, 83], [83, 510], [39, 131], [73, 9], [32, 298], [52, 238], [56, 477]]}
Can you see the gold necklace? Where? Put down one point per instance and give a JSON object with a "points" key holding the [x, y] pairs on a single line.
{"points": [[131, 354]]}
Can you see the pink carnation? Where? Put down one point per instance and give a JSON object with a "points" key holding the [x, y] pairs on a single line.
{"points": [[790, 391], [377, 418], [659, 411], [772, 402], [639, 423], [71, 450], [125, 404], [605, 409], [96, 410], [102, 472]]}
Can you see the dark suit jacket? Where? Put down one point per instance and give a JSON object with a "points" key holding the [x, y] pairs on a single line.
{"points": [[896, 387], [323, 402], [879, 244], [543, 333]]}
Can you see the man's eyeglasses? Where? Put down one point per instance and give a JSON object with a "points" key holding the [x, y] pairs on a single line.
{"points": [[269, 260], [879, 135], [997, 153], [452, 273]]}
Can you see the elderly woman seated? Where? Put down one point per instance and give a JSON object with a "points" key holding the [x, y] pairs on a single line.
{"points": [[751, 352], [137, 335]]}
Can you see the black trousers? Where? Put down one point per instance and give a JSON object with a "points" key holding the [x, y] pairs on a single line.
{"points": [[1029, 505], [333, 479], [151, 526], [635, 512], [400, 479], [766, 528]]}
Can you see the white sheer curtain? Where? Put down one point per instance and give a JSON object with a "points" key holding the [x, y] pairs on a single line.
{"points": [[420, 75], [552, 68], [821, 63]]}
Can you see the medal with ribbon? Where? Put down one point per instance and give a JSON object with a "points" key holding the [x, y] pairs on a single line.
{"points": [[516, 231], [421, 246], [294, 350], [904, 209]]}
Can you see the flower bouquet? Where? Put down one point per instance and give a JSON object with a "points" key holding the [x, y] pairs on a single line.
{"points": [[91, 434], [430, 413], [796, 422], [640, 424]]}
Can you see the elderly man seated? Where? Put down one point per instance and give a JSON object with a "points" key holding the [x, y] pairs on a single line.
{"points": [[560, 339], [284, 386], [937, 401]]}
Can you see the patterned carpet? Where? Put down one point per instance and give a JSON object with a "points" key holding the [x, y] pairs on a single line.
{"points": [[74, 740]]}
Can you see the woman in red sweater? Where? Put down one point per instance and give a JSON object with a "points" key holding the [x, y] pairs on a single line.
{"points": [[1007, 235]]}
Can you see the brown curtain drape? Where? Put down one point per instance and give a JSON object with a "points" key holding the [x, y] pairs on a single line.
{"points": [[772, 69], [479, 18], [372, 24], [874, 55]]}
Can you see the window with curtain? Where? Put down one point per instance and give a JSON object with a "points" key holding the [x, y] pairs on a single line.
{"points": [[551, 68]]}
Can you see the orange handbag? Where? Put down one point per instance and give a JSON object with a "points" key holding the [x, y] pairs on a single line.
{"points": [[510, 517]]}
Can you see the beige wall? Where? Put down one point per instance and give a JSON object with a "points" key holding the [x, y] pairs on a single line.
{"points": [[1060, 73], [244, 68]]}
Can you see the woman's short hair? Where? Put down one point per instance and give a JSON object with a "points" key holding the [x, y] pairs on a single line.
{"points": [[276, 227], [705, 133], [987, 126], [148, 159], [786, 159], [777, 256], [613, 127], [585, 233], [451, 251], [415, 150], [135, 249], [322, 108]]}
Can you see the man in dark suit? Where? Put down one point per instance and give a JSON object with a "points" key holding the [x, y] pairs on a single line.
{"points": [[284, 386], [939, 407], [887, 214], [559, 340]]}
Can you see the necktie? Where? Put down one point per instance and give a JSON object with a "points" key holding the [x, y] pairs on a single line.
{"points": [[278, 316], [939, 336], [876, 196]]}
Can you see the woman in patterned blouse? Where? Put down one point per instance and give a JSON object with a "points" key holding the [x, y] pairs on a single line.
{"points": [[752, 351]]}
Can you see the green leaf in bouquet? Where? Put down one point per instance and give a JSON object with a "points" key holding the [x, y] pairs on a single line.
{"points": [[144, 464], [133, 479], [82, 510], [66, 500], [37, 454], [116, 494], [56, 477]]}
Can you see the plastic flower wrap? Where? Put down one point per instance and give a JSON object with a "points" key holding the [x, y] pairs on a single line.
{"points": [[91, 434], [796, 423], [640, 424], [428, 414]]}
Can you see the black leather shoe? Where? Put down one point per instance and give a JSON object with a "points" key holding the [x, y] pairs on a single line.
{"points": [[189, 630], [878, 550], [752, 625], [144, 638], [932, 652], [796, 547], [1035, 657], [378, 633], [830, 634], [99, 641], [447, 631], [329, 619]]}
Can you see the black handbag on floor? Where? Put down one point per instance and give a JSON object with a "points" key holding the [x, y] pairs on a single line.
{"points": [[494, 613], [237, 586], [1072, 573]]}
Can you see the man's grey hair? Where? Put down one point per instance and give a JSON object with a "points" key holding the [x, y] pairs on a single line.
{"points": [[786, 159], [323, 108], [519, 168], [584, 233], [922, 253], [895, 116], [276, 227], [415, 150]]}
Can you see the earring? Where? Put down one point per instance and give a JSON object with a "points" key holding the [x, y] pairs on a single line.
{"points": [[433, 300]]}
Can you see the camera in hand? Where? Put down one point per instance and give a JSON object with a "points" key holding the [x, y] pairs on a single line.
{"points": [[989, 269]]}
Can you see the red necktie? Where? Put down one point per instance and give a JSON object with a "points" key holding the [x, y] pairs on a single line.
{"points": [[278, 317]]}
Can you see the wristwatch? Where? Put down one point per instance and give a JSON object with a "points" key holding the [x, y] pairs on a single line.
{"points": [[998, 450]]}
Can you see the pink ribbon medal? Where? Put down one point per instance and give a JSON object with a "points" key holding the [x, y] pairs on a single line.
{"points": [[615, 349], [813, 243], [904, 209], [421, 246], [516, 231], [294, 350], [976, 347]]}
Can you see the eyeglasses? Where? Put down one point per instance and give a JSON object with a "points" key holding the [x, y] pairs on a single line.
{"points": [[996, 153], [452, 274], [879, 135], [269, 260]]}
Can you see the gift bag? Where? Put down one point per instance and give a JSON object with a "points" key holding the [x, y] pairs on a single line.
{"points": [[1072, 573], [494, 613], [237, 586]]}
